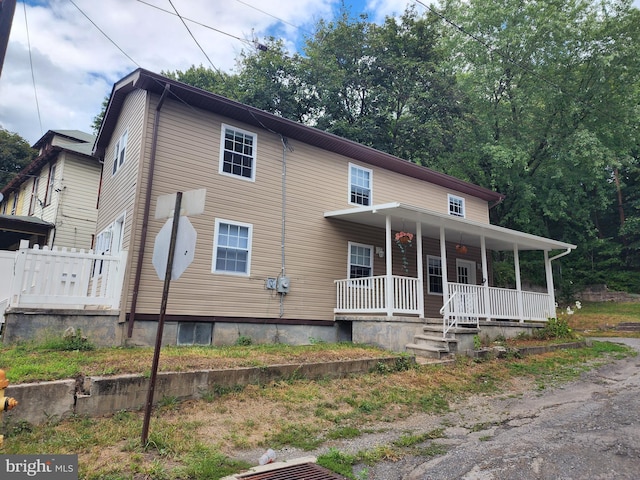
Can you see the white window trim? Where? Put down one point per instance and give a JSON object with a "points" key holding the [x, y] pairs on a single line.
{"points": [[442, 269], [356, 244], [215, 247], [353, 165], [471, 265], [120, 146], [254, 156], [455, 198]]}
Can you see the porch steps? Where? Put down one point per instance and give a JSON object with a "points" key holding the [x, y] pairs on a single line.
{"points": [[430, 343]]}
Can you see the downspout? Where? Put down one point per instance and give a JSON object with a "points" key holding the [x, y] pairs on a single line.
{"points": [[145, 218], [549, 275]]}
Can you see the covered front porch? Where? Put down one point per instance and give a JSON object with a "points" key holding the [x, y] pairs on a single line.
{"points": [[467, 299]]}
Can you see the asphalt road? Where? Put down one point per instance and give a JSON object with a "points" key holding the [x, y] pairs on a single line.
{"points": [[588, 429]]}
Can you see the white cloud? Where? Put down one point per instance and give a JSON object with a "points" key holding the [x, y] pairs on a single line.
{"points": [[75, 66]]}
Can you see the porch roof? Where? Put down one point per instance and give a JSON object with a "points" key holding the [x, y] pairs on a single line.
{"points": [[469, 231]]}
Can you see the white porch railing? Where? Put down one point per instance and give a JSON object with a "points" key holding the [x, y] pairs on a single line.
{"points": [[369, 295], [66, 278], [468, 303]]}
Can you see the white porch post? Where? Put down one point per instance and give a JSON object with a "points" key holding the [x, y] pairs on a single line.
{"points": [[485, 278], [445, 276], [420, 269], [550, 287], [516, 261], [388, 257]]}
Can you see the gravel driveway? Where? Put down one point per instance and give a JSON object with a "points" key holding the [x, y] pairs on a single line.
{"points": [[588, 429]]}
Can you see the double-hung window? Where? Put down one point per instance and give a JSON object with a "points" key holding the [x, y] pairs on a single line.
{"points": [[434, 275], [232, 247], [456, 206], [360, 260], [238, 153], [34, 195], [14, 204], [50, 184], [119, 152], [359, 185]]}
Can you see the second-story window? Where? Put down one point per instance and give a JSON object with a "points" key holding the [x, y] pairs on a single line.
{"points": [[50, 184], [34, 195], [238, 153], [14, 205], [456, 206], [359, 185], [119, 152]]}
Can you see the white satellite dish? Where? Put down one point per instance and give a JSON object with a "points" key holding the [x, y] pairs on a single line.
{"points": [[1, 197]]}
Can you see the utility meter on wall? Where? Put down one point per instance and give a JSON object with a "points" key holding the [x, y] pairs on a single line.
{"points": [[283, 285]]}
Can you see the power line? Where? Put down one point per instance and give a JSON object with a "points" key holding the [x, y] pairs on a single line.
{"points": [[196, 22], [194, 38], [33, 77], [105, 35]]}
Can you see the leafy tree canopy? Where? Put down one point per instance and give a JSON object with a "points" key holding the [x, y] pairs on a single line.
{"points": [[15, 154]]}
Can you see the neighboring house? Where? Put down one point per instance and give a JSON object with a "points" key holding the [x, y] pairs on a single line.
{"points": [[53, 200], [297, 236]]}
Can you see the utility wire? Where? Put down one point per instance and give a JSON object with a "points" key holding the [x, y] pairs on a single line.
{"points": [[194, 38], [105, 35], [33, 77], [196, 22]]}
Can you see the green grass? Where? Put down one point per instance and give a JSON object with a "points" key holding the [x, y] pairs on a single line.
{"points": [[187, 440]]}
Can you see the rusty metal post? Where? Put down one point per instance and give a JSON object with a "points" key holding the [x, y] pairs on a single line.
{"points": [[6, 403], [163, 309]]}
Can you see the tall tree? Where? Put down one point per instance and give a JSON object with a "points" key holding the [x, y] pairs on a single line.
{"points": [[554, 86], [15, 154]]}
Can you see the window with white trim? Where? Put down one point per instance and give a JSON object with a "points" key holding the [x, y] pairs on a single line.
{"points": [[194, 333], [232, 247], [119, 152], [34, 195], [14, 205], [50, 184], [456, 206], [360, 260], [434, 275], [360, 180], [238, 153]]}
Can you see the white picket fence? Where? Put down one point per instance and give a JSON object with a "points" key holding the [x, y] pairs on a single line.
{"points": [[61, 279]]}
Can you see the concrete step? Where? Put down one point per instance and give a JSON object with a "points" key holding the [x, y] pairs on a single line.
{"points": [[428, 338], [428, 351]]}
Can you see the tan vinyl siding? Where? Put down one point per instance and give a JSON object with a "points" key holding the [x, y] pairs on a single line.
{"points": [[78, 179], [316, 249]]}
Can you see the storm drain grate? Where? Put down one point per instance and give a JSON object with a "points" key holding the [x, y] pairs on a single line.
{"points": [[303, 471]]}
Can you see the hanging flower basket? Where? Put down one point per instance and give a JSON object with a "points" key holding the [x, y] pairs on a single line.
{"points": [[462, 249], [403, 240]]}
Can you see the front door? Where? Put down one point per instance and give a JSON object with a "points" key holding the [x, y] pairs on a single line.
{"points": [[465, 272], [466, 303]]}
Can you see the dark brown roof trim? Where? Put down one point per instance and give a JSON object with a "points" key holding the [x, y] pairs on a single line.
{"points": [[152, 82]]}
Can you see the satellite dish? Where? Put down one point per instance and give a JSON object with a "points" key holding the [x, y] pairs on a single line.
{"points": [[1, 197]]}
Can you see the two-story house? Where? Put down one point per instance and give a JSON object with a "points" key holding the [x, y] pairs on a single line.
{"points": [[300, 232], [53, 200]]}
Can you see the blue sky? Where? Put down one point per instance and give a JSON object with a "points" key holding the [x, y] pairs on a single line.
{"points": [[79, 49]]}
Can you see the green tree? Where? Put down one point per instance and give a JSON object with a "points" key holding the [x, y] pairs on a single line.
{"points": [[15, 154], [553, 87]]}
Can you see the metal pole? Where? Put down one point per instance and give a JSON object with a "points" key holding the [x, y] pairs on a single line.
{"points": [[163, 309]]}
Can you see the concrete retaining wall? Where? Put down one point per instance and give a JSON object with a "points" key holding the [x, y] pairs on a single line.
{"points": [[99, 326], [98, 396]]}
